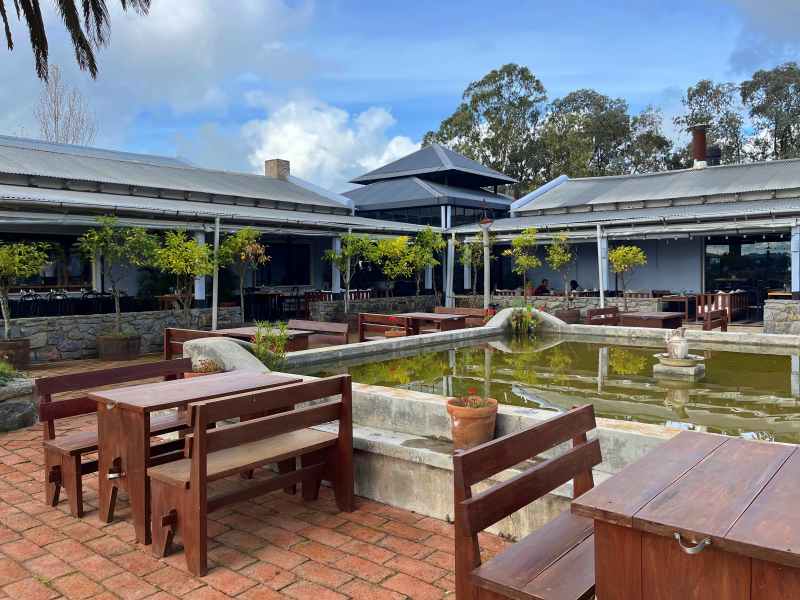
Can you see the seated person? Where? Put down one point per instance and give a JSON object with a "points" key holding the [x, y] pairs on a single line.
{"points": [[543, 289], [574, 286]]}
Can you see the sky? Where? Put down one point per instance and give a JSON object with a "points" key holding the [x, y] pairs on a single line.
{"points": [[339, 87]]}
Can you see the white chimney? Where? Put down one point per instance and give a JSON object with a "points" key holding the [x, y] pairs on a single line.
{"points": [[277, 168]]}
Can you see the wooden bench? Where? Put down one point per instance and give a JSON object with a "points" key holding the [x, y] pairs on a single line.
{"points": [[328, 333], [602, 316], [175, 338], [475, 317], [180, 493], [63, 455], [555, 562], [715, 318], [371, 324]]}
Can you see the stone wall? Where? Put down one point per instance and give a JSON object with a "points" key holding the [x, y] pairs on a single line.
{"points": [[18, 407], [72, 337], [334, 311], [551, 303], [782, 316]]}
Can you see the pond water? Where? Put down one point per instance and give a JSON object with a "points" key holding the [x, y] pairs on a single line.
{"points": [[755, 395]]}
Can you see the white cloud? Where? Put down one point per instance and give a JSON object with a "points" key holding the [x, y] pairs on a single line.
{"points": [[768, 35], [325, 144]]}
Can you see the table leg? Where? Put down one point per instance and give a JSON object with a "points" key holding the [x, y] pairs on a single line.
{"points": [[134, 465], [618, 562], [108, 442]]}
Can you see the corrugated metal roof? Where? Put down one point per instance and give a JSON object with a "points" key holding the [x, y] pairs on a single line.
{"points": [[30, 157], [413, 191], [82, 202], [668, 185], [435, 159], [707, 212]]}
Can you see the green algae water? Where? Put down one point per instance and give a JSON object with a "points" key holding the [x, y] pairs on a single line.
{"points": [[749, 394]]}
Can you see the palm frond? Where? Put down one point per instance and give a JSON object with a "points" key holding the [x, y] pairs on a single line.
{"points": [[84, 53]]}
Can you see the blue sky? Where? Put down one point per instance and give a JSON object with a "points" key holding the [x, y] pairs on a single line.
{"points": [[340, 86]]}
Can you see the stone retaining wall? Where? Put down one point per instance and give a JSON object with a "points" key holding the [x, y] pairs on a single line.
{"points": [[551, 303], [334, 311], [18, 407], [74, 336], [782, 316]]}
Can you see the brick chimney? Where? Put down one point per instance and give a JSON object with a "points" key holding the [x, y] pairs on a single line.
{"points": [[277, 168], [699, 145]]}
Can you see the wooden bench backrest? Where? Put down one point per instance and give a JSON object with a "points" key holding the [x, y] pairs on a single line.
{"points": [[602, 316], [381, 323], [715, 318], [50, 410], [319, 326], [467, 312], [174, 338], [475, 513], [203, 440]]}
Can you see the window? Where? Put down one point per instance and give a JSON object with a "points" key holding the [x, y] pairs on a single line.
{"points": [[290, 264]]}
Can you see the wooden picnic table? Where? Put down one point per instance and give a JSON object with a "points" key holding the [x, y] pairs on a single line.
{"points": [[689, 302], [123, 428], [658, 320], [701, 516], [443, 322], [298, 338]]}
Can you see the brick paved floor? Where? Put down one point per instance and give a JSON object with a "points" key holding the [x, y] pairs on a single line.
{"points": [[276, 546]]}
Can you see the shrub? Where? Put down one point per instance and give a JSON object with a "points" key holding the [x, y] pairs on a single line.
{"points": [[269, 343], [207, 365], [7, 372]]}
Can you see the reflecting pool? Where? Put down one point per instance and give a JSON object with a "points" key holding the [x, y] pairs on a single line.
{"points": [[751, 394]]}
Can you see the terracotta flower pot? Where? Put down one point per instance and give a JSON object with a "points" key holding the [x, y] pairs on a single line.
{"points": [[471, 426], [190, 374], [393, 333]]}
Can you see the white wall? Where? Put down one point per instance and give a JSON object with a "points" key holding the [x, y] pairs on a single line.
{"points": [[671, 265]]}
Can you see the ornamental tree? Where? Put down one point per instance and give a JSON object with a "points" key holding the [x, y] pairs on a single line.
{"points": [[426, 246], [186, 259], [623, 260], [559, 257], [18, 261], [523, 253], [243, 252], [394, 256], [470, 255], [120, 248], [355, 252]]}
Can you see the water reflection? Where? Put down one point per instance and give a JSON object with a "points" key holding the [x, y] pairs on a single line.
{"points": [[748, 394]]}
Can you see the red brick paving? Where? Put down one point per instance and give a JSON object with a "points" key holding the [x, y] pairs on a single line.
{"points": [[276, 546]]}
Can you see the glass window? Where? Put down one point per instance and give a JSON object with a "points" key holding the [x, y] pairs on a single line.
{"points": [[753, 263], [290, 264]]}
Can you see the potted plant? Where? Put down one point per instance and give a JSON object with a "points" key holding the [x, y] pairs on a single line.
{"points": [[186, 259], [426, 245], [119, 249], [395, 258], [355, 252], [19, 260], [559, 257], [473, 418], [623, 260], [205, 366], [523, 253], [269, 343], [243, 252]]}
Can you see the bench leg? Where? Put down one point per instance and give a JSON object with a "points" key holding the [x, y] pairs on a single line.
{"points": [[341, 460], [287, 466], [311, 488], [52, 478], [193, 523], [165, 517], [73, 485]]}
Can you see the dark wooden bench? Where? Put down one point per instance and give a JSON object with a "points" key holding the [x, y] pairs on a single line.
{"points": [[328, 333], [475, 317], [555, 562], [63, 455], [175, 338], [374, 327], [181, 498], [715, 318], [602, 316]]}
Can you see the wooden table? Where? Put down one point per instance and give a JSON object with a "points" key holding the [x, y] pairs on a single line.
{"points": [[689, 302], [443, 322], [658, 320], [298, 339], [779, 295], [123, 427], [739, 495]]}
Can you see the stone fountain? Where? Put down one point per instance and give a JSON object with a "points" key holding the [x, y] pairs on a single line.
{"points": [[676, 362]]}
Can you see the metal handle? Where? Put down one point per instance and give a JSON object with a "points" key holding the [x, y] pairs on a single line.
{"points": [[696, 549], [115, 475]]}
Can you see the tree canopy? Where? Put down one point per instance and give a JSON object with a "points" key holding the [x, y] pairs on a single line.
{"points": [[88, 23]]}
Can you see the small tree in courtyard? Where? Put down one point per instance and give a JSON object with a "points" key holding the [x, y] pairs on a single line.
{"points": [[356, 251], [18, 261], [184, 258], [559, 257], [120, 248], [523, 253], [470, 255], [243, 252], [624, 259], [394, 256], [426, 246]]}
